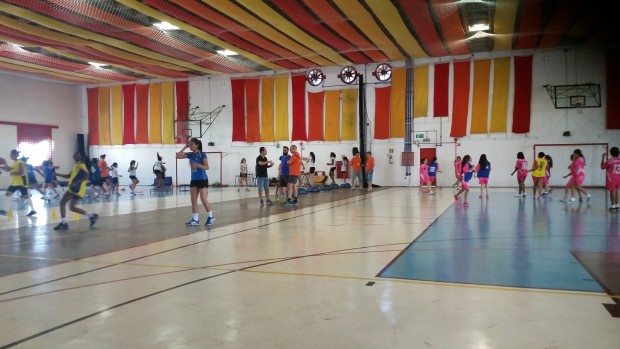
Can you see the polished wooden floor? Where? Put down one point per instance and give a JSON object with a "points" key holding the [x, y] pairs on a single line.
{"points": [[315, 275]]}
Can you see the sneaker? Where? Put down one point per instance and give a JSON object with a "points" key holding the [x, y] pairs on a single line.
{"points": [[572, 200], [62, 226], [132, 193], [57, 197], [479, 196], [518, 195], [295, 203], [269, 203], [261, 203], [580, 199], [466, 204], [589, 197], [193, 222], [210, 221], [545, 194], [432, 192], [93, 219], [3, 212], [287, 204], [31, 213]]}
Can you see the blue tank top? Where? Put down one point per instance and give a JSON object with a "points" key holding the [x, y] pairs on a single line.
{"points": [[198, 174], [50, 173], [432, 169], [484, 172]]}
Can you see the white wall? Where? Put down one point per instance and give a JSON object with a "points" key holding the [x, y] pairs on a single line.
{"points": [[547, 125], [43, 102]]}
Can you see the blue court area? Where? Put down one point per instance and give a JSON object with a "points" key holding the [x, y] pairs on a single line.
{"points": [[508, 241]]}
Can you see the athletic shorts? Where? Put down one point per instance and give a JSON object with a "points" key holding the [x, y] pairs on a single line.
{"points": [[133, 177], [535, 179], [19, 188], [612, 185], [483, 180], [423, 179], [521, 177], [546, 180], [312, 169], [283, 181], [465, 185], [262, 183], [114, 180], [293, 179], [332, 171], [199, 183], [243, 175], [579, 178], [570, 182], [369, 175]]}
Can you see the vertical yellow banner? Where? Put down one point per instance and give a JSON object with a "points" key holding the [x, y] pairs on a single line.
{"points": [[349, 115], [266, 110], [282, 108], [116, 113], [104, 115], [332, 115], [167, 102], [155, 113], [420, 91], [397, 103], [499, 108], [480, 99]]}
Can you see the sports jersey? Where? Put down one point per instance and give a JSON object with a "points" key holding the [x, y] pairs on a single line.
{"points": [[467, 173], [612, 167], [104, 168], [198, 174], [521, 167], [483, 172], [541, 168], [50, 173], [284, 168], [432, 169], [578, 166], [295, 165], [18, 180], [370, 163], [77, 179], [424, 170], [356, 163], [132, 171]]}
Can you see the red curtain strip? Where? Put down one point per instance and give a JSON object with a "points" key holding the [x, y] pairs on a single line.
{"points": [[382, 112], [613, 90], [299, 108], [238, 110], [252, 88], [129, 92], [440, 102], [523, 95], [93, 115], [316, 101], [460, 102], [142, 114], [182, 94]]}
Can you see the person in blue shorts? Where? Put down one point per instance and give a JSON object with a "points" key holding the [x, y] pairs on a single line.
{"points": [[199, 184]]}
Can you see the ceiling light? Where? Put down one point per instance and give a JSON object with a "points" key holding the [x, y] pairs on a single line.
{"points": [[478, 27], [227, 52], [165, 26], [98, 65]]}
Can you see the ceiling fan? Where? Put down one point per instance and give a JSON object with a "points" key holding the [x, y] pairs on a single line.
{"points": [[315, 77], [383, 72], [348, 75]]}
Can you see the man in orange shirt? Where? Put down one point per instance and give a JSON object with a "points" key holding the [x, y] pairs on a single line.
{"points": [[370, 169], [356, 170], [294, 171]]}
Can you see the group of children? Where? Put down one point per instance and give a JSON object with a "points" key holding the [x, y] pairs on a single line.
{"points": [[464, 171], [106, 178]]}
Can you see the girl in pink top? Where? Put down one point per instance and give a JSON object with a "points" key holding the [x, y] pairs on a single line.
{"points": [[547, 175], [457, 172], [612, 166], [424, 178], [467, 174], [578, 175], [521, 169]]}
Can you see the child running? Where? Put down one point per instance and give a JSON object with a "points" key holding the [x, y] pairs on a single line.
{"points": [[521, 169], [612, 167], [467, 174], [538, 170], [424, 179], [76, 190], [483, 170], [457, 172], [19, 181], [433, 168], [50, 182], [578, 170], [199, 184], [133, 168], [114, 178]]}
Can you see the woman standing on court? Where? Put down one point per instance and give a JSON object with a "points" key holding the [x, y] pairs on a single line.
{"points": [[133, 168], [199, 184]]}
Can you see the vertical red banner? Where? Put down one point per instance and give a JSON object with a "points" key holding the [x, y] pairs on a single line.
{"points": [[238, 110], [182, 95], [252, 89], [440, 101], [523, 95], [460, 99], [142, 114], [382, 112], [315, 115], [92, 95], [129, 92], [613, 90], [299, 108]]}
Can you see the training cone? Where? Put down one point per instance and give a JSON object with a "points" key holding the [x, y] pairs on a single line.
{"points": [[76, 216], [10, 213], [54, 214]]}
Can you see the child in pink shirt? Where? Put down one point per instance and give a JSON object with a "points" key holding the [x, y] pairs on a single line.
{"points": [[424, 178], [612, 167], [467, 174], [457, 172], [521, 169]]}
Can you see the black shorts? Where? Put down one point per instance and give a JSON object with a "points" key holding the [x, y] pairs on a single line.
{"points": [[133, 177], [311, 169], [114, 180], [332, 170], [283, 181], [21, 189], [243, 175], [199, 183], [157, 172], [293, 179]]}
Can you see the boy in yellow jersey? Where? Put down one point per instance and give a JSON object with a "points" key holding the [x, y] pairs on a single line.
{"points": [[76, 189], [19, 181], [539, 171]]}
